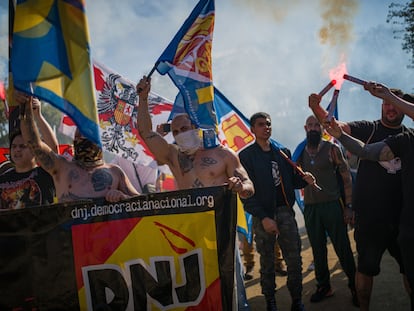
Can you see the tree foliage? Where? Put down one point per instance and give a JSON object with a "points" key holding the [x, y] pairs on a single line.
{"points": [[402, 16]]}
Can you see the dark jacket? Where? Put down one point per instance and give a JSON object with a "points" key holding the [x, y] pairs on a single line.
{"points": [[262, 204]]}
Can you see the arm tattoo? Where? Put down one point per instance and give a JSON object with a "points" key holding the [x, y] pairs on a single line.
{"points": [[151, 135], [386, 153], [43, 157]]}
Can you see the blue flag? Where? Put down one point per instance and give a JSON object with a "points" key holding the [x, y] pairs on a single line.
{"points": [[187, 60], [50, 59]]}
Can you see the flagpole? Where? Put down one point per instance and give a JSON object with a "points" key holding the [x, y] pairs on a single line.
{"points": [[298, 169], [152, 70], [149, 75]]}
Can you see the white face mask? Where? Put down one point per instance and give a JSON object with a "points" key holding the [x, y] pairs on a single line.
{"points": [[188, 141]]}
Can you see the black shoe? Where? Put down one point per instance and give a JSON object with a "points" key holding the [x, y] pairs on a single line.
{"points": [[280, 271], [321, 293], [297, 306], [247, 277], [355, 300], [271, 304], [248, 269]]}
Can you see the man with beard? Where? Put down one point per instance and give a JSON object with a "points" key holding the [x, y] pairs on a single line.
{"points": [[377, 198], [400, 145], [324, 212], [87, 176]]}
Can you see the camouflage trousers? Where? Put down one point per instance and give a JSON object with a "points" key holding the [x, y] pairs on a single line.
{"points": [[290, 244]]}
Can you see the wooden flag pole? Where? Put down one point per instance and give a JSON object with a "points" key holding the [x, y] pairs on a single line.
{"points": [[298, 169]]}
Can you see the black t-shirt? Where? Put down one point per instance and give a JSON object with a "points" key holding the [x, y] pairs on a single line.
{"points": [[280, 200], [402, 146], [20, 190], [377, 196]]}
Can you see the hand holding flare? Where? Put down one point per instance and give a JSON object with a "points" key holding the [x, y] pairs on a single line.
{"points": [[354, 79], [298, 169], [327, 88]]}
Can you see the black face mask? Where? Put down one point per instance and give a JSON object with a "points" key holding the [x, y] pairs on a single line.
{"points": [[313, 138]]}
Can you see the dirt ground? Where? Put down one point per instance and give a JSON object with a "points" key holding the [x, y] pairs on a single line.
{"points": [[388, 292]]}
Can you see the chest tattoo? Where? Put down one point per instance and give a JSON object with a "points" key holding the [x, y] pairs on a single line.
{"points": [[207, 161], [197, 184], [101, 180], [73, 175]]}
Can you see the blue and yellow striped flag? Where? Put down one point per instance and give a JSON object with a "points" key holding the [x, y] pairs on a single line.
{"points": [[50, 59]]}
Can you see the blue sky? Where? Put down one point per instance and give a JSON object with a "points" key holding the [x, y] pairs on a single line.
{"points": [[267, 55]]}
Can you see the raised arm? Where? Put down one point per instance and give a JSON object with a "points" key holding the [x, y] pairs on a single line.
{"points": [[44, 154], [321, 114], [382, 91], [155, 142], [45, 130]]}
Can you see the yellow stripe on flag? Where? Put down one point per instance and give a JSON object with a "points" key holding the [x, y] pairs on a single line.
{"points": [[241, 217], [205, 94]]}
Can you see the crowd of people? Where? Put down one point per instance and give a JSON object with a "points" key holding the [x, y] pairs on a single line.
{"points": [[377, 204]]}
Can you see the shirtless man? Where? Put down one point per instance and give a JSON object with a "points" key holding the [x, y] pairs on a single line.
{"points": [[191, 164], [87, 176]]}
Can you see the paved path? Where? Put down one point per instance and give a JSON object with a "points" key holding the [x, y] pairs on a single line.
{"points": [[388, 292]]}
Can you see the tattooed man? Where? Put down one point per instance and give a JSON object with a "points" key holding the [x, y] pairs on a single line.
{"points": [[87, 176], [192, 165]]}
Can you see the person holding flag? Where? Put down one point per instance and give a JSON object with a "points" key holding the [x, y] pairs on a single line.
{"points": [[87, 176], [27, 184], [192, 165]]}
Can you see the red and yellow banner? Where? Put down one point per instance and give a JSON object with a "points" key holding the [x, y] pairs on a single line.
{"points": [[171, 250]]}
